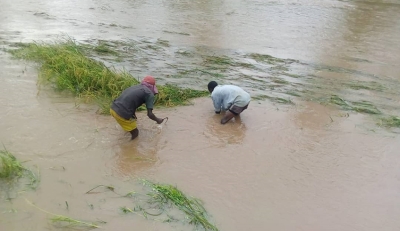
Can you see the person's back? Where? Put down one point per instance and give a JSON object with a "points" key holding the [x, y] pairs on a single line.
{"points": [[130, 99], [124, 107], [230, 98], [229, 95]]}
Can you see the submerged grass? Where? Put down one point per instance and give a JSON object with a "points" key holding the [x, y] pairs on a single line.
{"points": [[357, 106], [185, 73], [193, 208], [266, 58], [218, 60], [273, 99], [164, 199], [11, 169], [365, 107], [293, 93], [170, 95], [279, 81], [390, 122], [104, 48], [66, 221], [362, 85], [66, 67]]}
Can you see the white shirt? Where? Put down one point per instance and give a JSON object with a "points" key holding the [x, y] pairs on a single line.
{"points": [[224, 96]]}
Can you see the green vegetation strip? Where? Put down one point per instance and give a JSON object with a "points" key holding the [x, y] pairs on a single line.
{"points": [[11, 169], [66, 67], [363, 85], [162, 201], [67, 221], [166, 197], [361, 106], [273, 99], [194, 210], [391, 121]]}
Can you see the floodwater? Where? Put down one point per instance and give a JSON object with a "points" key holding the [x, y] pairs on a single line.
{"points": [[306, 166]]}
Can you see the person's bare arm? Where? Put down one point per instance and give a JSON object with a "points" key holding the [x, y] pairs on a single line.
{"points": [[217, 104], [153, 117]]}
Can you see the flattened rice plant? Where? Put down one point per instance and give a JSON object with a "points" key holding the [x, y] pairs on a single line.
{"points": [[65, 65]]}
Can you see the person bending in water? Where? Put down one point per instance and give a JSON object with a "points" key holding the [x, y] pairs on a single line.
{"points": [[124, 107], [230, 98]]}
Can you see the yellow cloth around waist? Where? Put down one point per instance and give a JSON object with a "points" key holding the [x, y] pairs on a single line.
{"points": [[127, 125]]}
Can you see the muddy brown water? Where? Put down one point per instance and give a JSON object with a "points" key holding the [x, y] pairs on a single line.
{"points": [[279, 167]]}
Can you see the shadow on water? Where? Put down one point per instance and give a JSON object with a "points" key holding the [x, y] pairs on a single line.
{"points": [[231, 133], [133, 156]]}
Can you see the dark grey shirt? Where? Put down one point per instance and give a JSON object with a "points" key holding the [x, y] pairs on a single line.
{"points": [[132, 98]]}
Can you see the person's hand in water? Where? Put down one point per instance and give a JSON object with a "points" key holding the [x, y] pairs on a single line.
{"points": [[159, 121]]}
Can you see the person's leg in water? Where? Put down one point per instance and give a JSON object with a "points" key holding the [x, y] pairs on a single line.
{"points": [[228, 116], [232, 112], [134, 133], [128, 125]]}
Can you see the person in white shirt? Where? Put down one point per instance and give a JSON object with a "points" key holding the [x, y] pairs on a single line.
{"points": [[230, 98]]}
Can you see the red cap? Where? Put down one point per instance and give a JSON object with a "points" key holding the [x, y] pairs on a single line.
{"points": [[152, 81]]}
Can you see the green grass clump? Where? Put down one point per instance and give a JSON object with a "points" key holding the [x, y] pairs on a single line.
{"points": [[245, 65], [362, 85], [11, 169], [279, 81], [293, 93], [70, 222], [162, 202], [266, 58], [273, 99], [281, 100], [103, 48], [193, 208], [218, 60], [338, 101], [389, 122], [360, 106], [162, 42], [171, 95], [67, 68], [365, 107], [65, 221]]}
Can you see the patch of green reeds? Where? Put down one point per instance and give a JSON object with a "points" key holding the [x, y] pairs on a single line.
{"points": [[273, 99], [160, 202], [279, 81], [266, 58], [65, 65], [163, 199], [360, 106], [218, 60], [363, 85], [65, 221], [293, 93], [390, 122], [70, 222], [11, 169], [224, 62], [165, 195], [104, 48], [170, 95]]}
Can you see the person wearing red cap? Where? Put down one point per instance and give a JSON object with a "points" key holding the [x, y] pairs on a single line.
{"points": [[123, 108]]}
